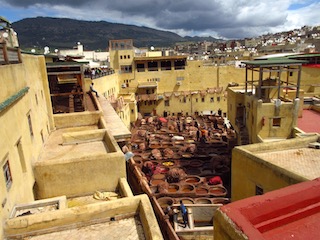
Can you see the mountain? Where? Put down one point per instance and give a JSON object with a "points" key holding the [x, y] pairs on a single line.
{"points": [[63, 33]]}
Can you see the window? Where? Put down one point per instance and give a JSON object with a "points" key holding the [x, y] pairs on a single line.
{"points": [[7, 174], [259, 190], [36, 98], [167, 103], [276, 122], [202, 99], [218, 99], [179, 64], [212, 99], [121, 57], [196, 99], [140, 67], [126, 69], [152, 66], [166, 65], [132, 112], [128, 56], [291, 74], [184, 99], [30, 125], [21, 156]]}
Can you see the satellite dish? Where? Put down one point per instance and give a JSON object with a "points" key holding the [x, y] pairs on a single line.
{"points": [[78, 43], [152, 48], [56, 50], [5, 35], [46, 50], [33, 50]]}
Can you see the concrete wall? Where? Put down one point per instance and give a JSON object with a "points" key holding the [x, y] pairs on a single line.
{"points": [[80, 175], [47, 222], [82, 119], [249, 171], [30, 78]]}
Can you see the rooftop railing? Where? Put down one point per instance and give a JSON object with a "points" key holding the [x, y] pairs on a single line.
{"points": [[9, 55]]}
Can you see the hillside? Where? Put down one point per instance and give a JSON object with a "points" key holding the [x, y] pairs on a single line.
{"points": [[64, 33]]}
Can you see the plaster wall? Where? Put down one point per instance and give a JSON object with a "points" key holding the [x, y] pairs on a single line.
{"points": [[82, 119], [62, 177], [107, 86], [260, 119], [18, 146]]}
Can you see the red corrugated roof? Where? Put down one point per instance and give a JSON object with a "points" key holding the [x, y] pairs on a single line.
{"points": [[312, 65], [310, 121], [289, 213]]}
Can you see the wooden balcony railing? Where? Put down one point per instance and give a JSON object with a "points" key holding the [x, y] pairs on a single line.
{"points": [[9, 55]]}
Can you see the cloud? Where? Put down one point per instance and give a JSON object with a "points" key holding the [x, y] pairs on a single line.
{"points": [[228, 18]]}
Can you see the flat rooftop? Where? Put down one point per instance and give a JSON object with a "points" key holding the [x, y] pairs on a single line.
{"points": [[302, 161], [127, 228], [54, 150], [114, 124]]}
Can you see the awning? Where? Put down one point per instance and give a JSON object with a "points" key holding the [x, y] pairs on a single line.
{"points": [[67, 79], [148, 85]]}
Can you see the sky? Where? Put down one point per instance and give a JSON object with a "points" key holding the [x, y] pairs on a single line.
{"points": [[229, 19]]}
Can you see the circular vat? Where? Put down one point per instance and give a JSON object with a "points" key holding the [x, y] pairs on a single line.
{"points": [[202, 201], [222, 169], [173, 188], [187, 200], [154, 145], [137, 157], [185, 188], [155, 182], [220, 200], [193, 180], [165, 201], [202, 191], [195, 163], [168, 163], [218, 191], [158, 176]]}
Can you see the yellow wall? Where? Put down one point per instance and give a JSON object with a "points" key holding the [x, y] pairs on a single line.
{"points": [[96, 171], [107, 86], [196, 76], [310, 79], [79, 216], [248, 170], [225, 229], [15, 77]]}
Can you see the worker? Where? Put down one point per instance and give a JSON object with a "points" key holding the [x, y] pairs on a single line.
{"points": [[184, 213]]}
